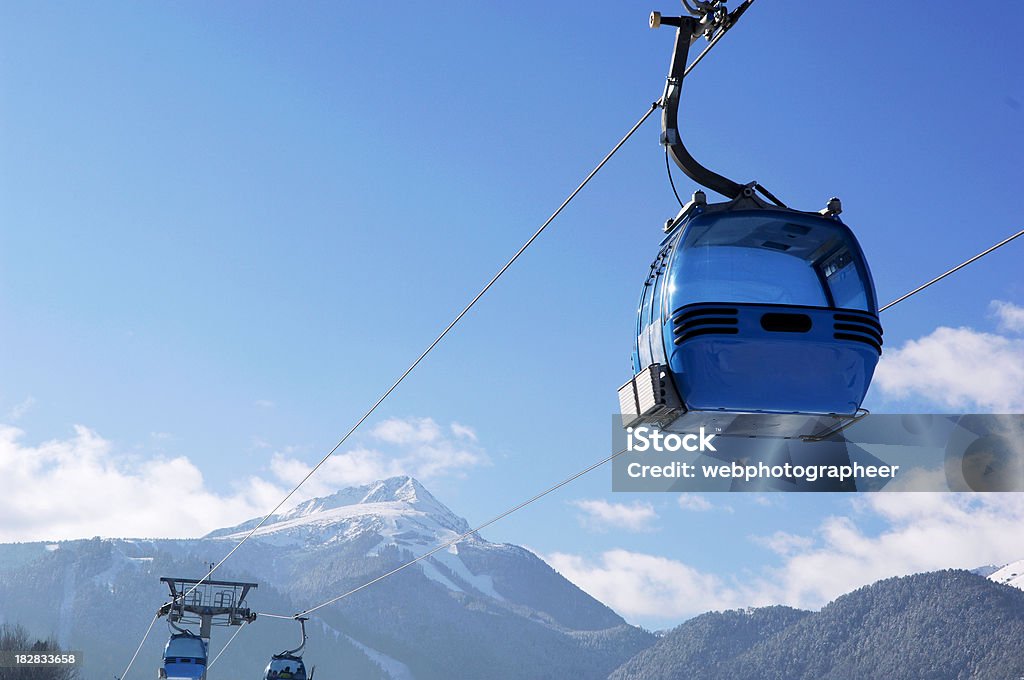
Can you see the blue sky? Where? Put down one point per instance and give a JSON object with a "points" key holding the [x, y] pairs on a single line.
{"points": [[224, 230]]}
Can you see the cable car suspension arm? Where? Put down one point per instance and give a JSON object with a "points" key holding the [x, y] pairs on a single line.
{"points": [[711, 20], [298, 650]]}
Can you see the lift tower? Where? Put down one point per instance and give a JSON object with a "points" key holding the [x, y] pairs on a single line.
{"points": [[208, 603]]}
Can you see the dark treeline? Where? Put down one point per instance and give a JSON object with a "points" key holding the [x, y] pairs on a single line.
{"points": [[948, 625]]}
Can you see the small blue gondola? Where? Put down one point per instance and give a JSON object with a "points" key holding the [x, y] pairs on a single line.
{"points": [[184, 658], [288, 664], [285, 666]]}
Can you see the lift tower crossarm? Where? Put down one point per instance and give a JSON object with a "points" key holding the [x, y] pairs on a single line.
{"points": [[212, 603]]}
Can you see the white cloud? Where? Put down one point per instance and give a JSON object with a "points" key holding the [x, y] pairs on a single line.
{"points": [[783, 543], [352, 468], [408, 431], [926, 531], [688, 501], [78, 488], [922, 532], [81, 486], [19, 410], [640, 585], [600, 515], [464, 431], [264, 403], [1010, 316], [414, 446], [957, 368]]}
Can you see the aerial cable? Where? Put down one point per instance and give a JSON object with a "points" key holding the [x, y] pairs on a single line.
{"points": [[668, 171], [226, 645], [276, 616], [954, 269], [703, 53], [584, 471], [455, 540], [714, 40], [139, 649], [553, 488], [433, 344]]}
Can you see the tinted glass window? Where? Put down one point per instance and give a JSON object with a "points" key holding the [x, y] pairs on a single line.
{"points": [[185, 647], [736, 274], [844, 281], [768, 257], [291, 668]]}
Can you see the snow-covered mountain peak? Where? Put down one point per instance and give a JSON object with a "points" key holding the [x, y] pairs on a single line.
{"points": [[395, 512], [387, 494], [397, 506], [405, 489]]}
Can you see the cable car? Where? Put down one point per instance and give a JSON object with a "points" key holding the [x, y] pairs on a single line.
{"points": [[285, 666], [749, 306], [288, 665], [760, 309], [184, 657]]}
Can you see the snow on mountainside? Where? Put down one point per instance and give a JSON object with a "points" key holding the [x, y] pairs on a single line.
{"points": [[492, 610], [397, 511], [1011, 575], [378, 504]]}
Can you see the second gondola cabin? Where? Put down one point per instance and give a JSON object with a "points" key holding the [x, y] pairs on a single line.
{"points": [[285, 667], [184, 658]]}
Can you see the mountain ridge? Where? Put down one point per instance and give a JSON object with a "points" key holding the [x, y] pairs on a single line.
{"points": [[492, 610], [489, 610], [946, 625]]}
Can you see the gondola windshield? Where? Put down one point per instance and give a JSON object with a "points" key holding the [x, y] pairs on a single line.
{"points": [[285, 668], [769, 259]]}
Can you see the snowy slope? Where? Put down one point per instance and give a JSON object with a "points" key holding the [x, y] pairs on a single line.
{"points": [[397, 511], [1012, 575], [493, 610], [382, 504]]}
